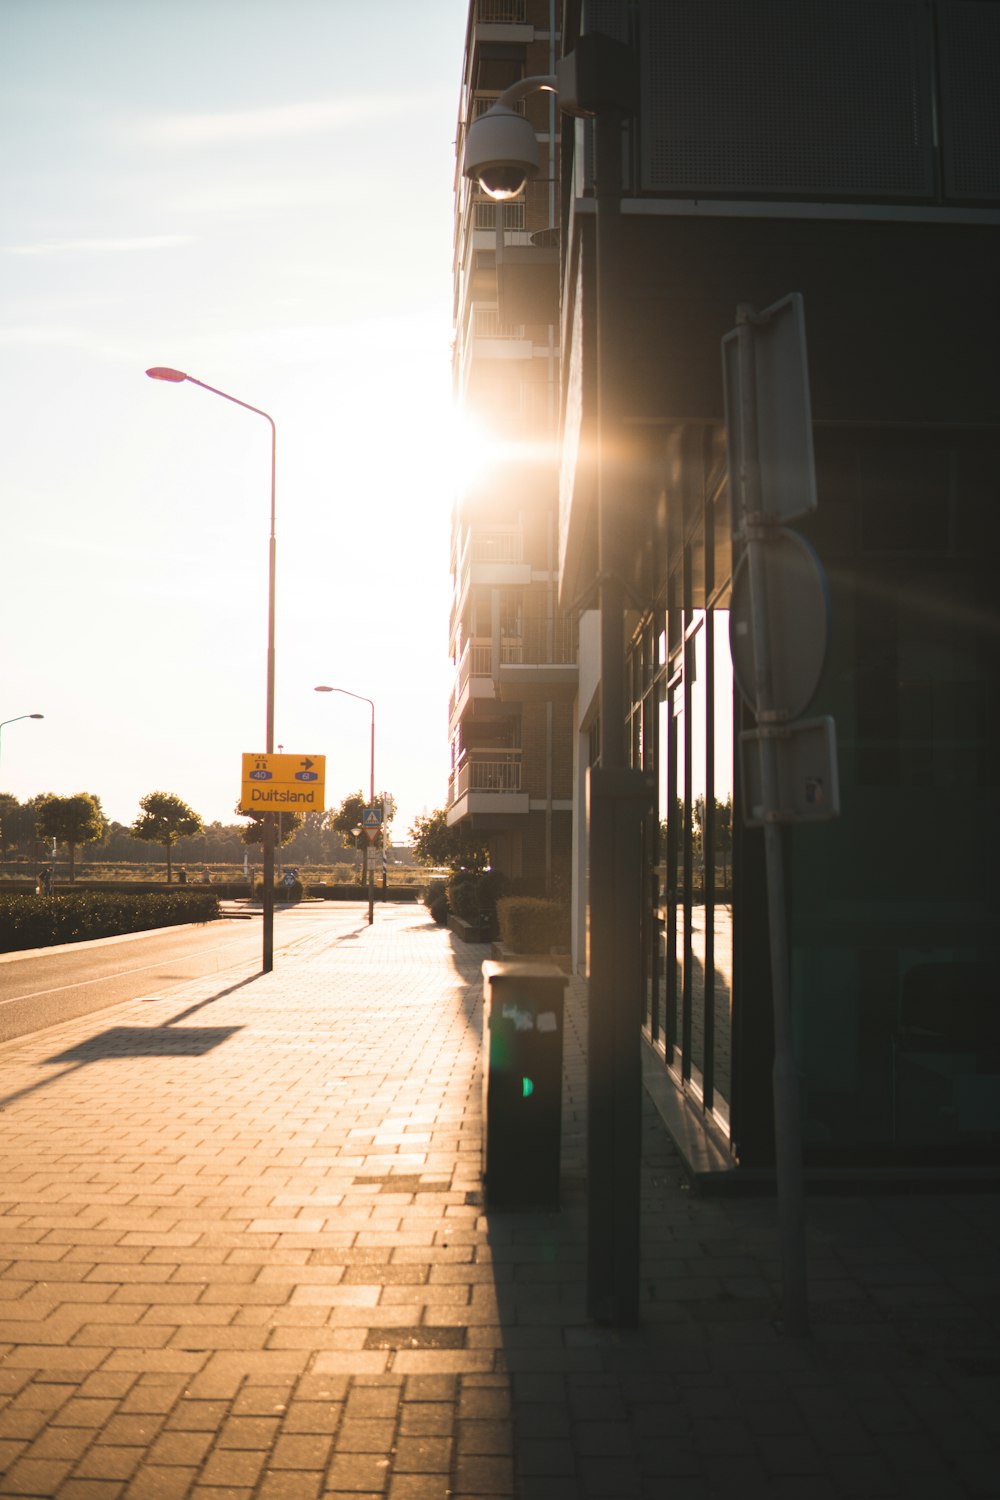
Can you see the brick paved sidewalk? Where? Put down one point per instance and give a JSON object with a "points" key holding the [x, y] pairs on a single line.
{"points": [[243, 1254]]}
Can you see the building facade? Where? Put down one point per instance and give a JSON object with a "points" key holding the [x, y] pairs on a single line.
{"points": [[514, 647], [847, 151]]}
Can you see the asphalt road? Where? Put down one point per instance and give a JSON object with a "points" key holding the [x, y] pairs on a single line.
{"points": [[48, 985]]}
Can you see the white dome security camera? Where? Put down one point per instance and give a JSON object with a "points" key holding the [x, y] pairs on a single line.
{"points": [[501, 152]]}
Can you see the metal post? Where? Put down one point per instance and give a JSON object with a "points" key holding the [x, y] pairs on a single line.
{"points": [[785, 1082], [618, 804], [371, 804], [611, 592], [267, 961]]}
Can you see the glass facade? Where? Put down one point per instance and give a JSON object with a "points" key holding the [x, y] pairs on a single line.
{"points": [[892, 906], [688, 705], [894, 932]]}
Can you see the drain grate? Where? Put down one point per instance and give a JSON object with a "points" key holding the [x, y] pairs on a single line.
{"points": [[416, 1338]]}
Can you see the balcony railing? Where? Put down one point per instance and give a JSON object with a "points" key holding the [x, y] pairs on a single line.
{"points": [[476, 661], [497, 773], [497, 544], [482, 102], [486, 324], [484, 214], [540, 643], [501, 12]]}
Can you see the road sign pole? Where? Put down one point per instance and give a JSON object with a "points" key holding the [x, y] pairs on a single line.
{"points": [[266, 778], [785, 1081], [371, 804]]}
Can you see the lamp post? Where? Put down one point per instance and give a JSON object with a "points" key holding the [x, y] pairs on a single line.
{"points": [[17, 720], [597, 79], [371, 791], [175, 377]]}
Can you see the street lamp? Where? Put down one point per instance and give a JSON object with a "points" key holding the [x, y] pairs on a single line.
{"points": [[371, 789], [17, 720], [175, 377]]}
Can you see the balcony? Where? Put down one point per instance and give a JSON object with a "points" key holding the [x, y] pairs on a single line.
{"points": [[473, 681], [535, 665], [501, 12], [492, 557], [539, 665], [487, 784]]}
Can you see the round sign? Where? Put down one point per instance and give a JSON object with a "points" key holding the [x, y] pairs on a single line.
{"points": [[798, 622]]}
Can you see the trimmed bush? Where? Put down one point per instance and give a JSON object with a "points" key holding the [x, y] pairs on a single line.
{"points": [[39, 921], [436, 901], [530, 924], [472, 896]]}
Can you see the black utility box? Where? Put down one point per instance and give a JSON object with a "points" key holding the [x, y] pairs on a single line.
{"points": [[522, 1083]]}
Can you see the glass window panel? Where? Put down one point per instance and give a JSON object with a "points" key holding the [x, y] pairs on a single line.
{"points": [[676, 1015], [722, 954], [696, 554], [722, 546], [679, 810], [664, 914], [699, 989]]}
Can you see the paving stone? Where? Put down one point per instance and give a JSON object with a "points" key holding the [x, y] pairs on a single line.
{"points": [[107, 1461], [423, 1487], [152, 1483], [185, 1448], [35, 1476], [358, 1471], [422, 1455], [301, 1452], [290, 1485], [90, 1489]]}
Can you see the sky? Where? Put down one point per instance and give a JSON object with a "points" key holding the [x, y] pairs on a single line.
{"points": [[258, 193]]}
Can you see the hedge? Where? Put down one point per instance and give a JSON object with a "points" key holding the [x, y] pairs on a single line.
{"points": [[355, 892], [529, 924], [231, 890], [40, 921]]}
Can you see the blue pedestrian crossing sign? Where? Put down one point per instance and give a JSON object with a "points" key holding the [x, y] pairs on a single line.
{"points": [[371, 822]]}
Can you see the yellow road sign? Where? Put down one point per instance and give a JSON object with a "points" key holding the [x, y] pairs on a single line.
{"points": [[283, 783]]}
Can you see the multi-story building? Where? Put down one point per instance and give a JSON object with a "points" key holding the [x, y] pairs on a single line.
{"points": [[847, 151], [514, 648]]}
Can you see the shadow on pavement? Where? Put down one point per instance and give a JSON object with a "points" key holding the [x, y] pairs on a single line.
{"points": [[139, 1041]]}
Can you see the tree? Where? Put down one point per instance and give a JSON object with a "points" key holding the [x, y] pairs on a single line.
{"points": [[724, 834], [434, 843], [165, 819], [286, 826], [350, 815], [18, 834], [8, 805], [71, 821]]}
